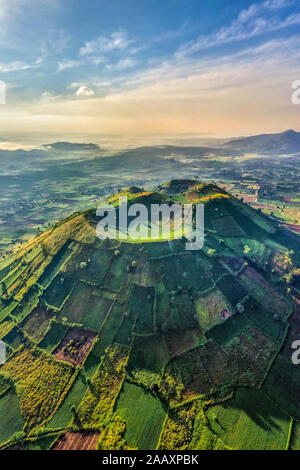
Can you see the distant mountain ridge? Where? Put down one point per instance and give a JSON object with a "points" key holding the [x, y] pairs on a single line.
{"points": [[287, 142], [71, 147]]}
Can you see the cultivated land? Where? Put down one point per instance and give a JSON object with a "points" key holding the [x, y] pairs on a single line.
{"points": [[123, 345]]}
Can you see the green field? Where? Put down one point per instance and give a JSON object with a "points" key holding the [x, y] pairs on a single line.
{"points": [[63, 416], [43, 443], [283, 372], [250, 421], [11, 420], [148, 352], [55, 265], [225, 332], [144, 416], [95, 312], [265, 320], [295, 437], [54, 336]]}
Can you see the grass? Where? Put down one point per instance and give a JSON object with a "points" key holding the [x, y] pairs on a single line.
{"points": [[295, 437], [210, 307], [11, 418], [58, 291], [14, 338], [250, 421], [40, 383], [55, 265], [144, 416], [64, 416], [263, 319], [53, 337], [98, 402], [232, 289], [42, 443], [124, 335], [36, 324], [283, 386], [141, 305], [74, 307], [112, 323], [148, 352], [224, 333], [95, 312]]}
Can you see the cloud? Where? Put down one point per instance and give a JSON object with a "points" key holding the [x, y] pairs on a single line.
{"points": [[55, 42], [122, 64], [116, 41], [251, 22], [17, 66], [67, 64], [48, 97], [84, 91]]}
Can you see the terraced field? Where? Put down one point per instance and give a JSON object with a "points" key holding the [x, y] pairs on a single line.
{"points": [[149, 345]]}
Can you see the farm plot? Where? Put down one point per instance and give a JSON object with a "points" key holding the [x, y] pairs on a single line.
{"points": [[29, 302], [185, 377], [163, 309], [99, 399], [125, 333], [157, 249], [112, 323], [11, 418], [178, 428], [36, 324], [40, 382], [42, 443], [233, 263], [213, 308], [58, 291], [259, 253], [180, 314], [263, 319], [251, 354], [144, 416], [54, 267], [262, 291], [178, 342], [226, 226], [63, 415], [283, 372], [149, 353], [115, 275], [141, 305], [250, 421], [293, 333], [224, 333], [53, 336], [232, 289], [14, 338], [6, 307], [187, 272], [6, 326], [77, 441], [74, 307], [94, 265], [295, 438], [95, 312], [75, 346]]}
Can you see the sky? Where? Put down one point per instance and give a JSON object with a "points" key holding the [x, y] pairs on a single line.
{"points": [[215, 68]]}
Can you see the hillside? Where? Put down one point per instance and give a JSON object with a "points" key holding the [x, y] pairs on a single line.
{"points": [[287, 142], [147, 345]]}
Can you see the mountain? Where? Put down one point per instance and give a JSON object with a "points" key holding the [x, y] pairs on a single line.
{"points": [[145, 344], [287, 142]]}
